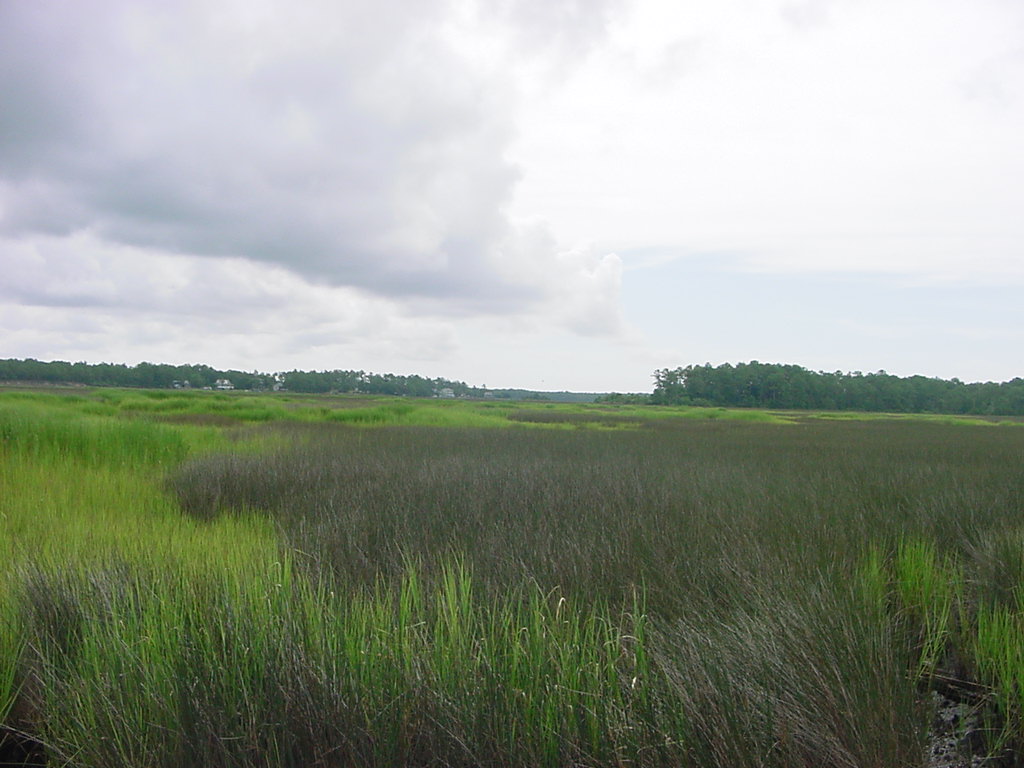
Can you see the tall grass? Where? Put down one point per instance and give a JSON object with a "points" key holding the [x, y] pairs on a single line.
{"points": [[707, 506], [639, 591], [38, 432], [807, 679], [80, 502], [723, 526], [220, 673], [930, 591], [12, 643], [266, 672]]}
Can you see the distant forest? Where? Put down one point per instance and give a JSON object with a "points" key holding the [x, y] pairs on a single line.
{"points": [[162, 376], [766, 385], [156, 375]]}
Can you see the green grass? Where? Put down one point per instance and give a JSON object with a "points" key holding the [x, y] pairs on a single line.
{"points": [[196, 407], [930, 591], [264, 672], [232, 580], [27, 429], [932, 418]]}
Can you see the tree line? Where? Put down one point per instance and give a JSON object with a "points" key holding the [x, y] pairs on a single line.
{"points": [[372, 383], [776, 386], [753, 385], [161, 375]]}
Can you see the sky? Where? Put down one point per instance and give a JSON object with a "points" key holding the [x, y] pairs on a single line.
{"points": [[546, 194]]}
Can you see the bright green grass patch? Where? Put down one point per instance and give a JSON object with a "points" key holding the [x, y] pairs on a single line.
{"points": [[930, 589], [81, 497], [55, 513], [85, 488], [423, 413], [220, 408], [998, 650], [31, 429], [933, 418], [242, 407]]}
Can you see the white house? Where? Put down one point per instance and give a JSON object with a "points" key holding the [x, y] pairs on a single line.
{"points": [[223, 384]]}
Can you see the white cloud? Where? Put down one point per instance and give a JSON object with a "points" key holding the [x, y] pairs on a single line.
{"points": [[590, 306], [871, 133]]}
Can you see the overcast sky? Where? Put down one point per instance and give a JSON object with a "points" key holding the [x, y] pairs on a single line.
{"points": [[550, 194]]}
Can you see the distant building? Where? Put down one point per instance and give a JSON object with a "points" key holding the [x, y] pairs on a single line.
{"points": [[446, 392], [223, 384]]}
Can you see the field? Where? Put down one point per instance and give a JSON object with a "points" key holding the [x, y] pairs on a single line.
{"points": [[227, 579]]}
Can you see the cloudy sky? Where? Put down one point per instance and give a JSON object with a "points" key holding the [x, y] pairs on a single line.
{"points": [[551, 194]]}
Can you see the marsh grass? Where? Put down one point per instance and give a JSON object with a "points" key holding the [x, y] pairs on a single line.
{"points": [[997, 645], [196, 407], [271, 671], [30, 430], [810, 679], [700, 504], [304, 589], [930, 590], [744, 538], [12, 644], [79, 498]]}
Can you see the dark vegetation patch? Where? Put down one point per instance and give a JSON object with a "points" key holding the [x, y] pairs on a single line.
{"points": [[198, 419], [18, 748], [692, 510], [583, 418], [744, 538]]}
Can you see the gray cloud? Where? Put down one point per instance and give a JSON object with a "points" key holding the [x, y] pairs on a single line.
{"points": [[353, 145], [61, 294], [570, 28], [807, 14]]}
